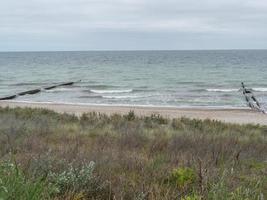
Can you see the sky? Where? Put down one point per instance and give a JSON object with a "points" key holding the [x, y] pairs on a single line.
{"points": [[51, 25]]}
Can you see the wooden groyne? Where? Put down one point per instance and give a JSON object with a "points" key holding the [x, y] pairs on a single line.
{"points": [[251, 100], [61, 84], [66, 84], [50, 87], [35, 91], [8, 97]]}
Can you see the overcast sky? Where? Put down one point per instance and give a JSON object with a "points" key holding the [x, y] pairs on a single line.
{"points": [[35, 25]]}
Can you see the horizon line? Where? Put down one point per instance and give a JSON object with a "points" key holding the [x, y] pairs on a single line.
{"points": [[128, 50]]}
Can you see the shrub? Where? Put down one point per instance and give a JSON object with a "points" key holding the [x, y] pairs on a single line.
{"points": [[78, 181], [14, 184], [183, 177], [221, 190], [192, 197], [130, 116], [247, 193], [156, 118]]}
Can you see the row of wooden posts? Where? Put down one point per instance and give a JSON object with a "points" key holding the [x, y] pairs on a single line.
{"points": [[251, 100], [35, 91]]}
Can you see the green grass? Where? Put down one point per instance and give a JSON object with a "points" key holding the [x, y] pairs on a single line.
{"points": [[46, 155], [14, 184]]}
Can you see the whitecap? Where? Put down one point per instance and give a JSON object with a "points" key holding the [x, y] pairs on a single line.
{"points": [[121, 97], [222, 90], [111, 91], [260, 89]]}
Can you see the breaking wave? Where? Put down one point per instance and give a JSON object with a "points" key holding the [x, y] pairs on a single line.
{"points": [[111, 91], [260, 89], [222, 90], [120, 97], [235, 90]]}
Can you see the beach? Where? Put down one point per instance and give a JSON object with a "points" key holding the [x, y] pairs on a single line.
{"points": [[239, 116]]}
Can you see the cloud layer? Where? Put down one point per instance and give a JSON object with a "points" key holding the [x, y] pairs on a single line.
{"points": [[132, 24]]}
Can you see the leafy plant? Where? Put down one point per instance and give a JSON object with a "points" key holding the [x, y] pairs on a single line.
{"points": [[72, 178], [14, 184], [191, 197], [183, 176], [78, 181]]}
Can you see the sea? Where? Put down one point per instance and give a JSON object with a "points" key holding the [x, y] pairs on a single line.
{"points": [[208, 78]]}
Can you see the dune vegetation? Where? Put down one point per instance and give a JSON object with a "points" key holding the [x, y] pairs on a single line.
{"points": [[46, 155]]}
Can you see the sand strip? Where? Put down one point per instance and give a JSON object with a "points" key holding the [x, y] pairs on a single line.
{"points": [[241, 116]]}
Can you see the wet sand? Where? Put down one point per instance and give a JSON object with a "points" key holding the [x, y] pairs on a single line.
{"points": [[240, 116]]}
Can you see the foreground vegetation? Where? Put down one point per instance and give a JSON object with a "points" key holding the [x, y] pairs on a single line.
{"points": [[46, 155]]}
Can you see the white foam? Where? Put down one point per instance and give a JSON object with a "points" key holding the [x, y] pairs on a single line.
{"points": [[222, 90], [111, 91], [122, 97], [234, 89], [260, 89], [127, 105]]}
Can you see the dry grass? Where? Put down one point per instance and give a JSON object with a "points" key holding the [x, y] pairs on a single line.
{"points": [[134, 158]]}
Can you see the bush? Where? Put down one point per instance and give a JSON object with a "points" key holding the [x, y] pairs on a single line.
{"points": [[221, 190], [79, 181], [14, 184], [183, 177], [130, 116], [191, 197]]}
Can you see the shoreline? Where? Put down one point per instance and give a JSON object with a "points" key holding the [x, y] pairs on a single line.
{"points": [[228, 115]]}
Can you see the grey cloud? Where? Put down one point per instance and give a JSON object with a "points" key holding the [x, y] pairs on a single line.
{"points": [[132, 24]]}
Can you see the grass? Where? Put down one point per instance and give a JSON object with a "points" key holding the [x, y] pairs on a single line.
{"points": [[46, 155]]}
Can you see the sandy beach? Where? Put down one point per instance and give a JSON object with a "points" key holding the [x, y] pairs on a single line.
{"points": [[240, 116]]}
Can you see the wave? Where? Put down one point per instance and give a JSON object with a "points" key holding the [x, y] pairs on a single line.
{"points": [[234, 90], [100, 86], [111, 91], [190, 82], [91, 97], [222, 90], [198, 90], [119, 97], [27, 84], [56, 90], [127, 96], [124, 97], [259, 89]]}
